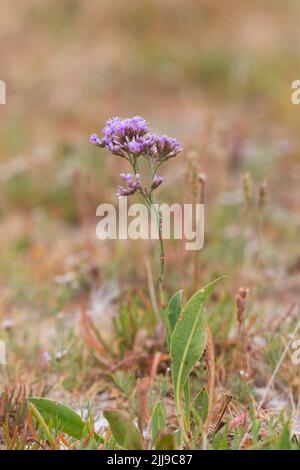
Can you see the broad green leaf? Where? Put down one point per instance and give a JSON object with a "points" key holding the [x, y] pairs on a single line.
{"points": [[158, 420], [172, 313], [188, 340], [124, 431], [67, 419]]}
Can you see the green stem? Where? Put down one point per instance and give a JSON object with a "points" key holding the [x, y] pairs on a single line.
{"points": [[161, 264], [148, 197], [161, 253], [135, 166]]}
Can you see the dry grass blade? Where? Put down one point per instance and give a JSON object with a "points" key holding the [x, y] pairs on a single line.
{"points": [[131, 360], [92, 342], [158, 358], [142, 395], [98, 345], [224, 405]]}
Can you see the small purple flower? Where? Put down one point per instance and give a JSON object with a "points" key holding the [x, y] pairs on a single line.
{"points": [[46, 356], [156, 181], [94, 139], [134, 147]]}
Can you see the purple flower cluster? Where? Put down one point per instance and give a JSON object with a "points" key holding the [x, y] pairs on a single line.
{"points": [[133, 184], [130, 138]]}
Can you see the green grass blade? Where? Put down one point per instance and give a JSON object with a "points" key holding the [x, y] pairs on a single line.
{"points": [[158, 420]]}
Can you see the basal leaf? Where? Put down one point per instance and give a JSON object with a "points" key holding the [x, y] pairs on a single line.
{"points": [[188, 340], [174, 308], [172, 313], [124, 431], [67, 419]]}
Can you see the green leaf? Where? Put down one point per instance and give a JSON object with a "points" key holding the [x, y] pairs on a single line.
{"points": [[174, 308], [124, 431], [201, 404], [172, 313], [158, 420], [67, 419], [188, 340], [43, 424]]}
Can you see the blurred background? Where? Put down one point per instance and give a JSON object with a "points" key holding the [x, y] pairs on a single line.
{"points": [[214, 74]]}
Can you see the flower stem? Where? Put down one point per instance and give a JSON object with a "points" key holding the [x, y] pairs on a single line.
{"points": [[161, 263], [161, 253]]}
